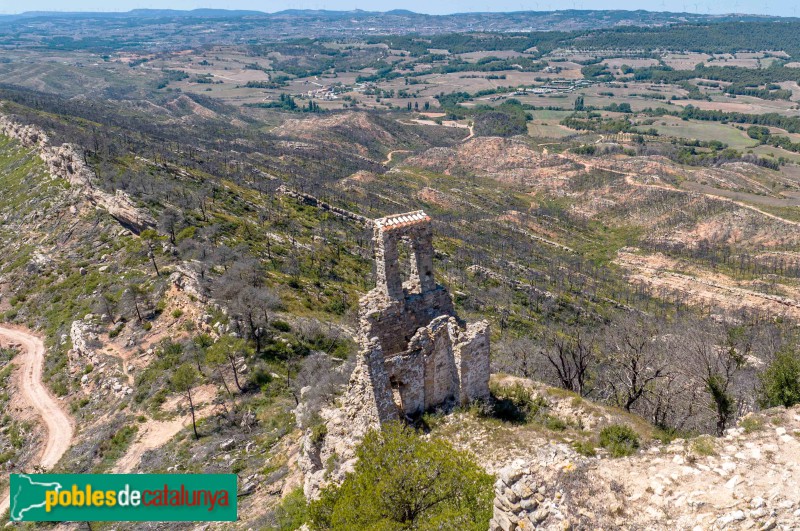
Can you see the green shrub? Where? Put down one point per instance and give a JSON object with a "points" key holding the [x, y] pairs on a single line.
{"points": [[186, 233], [176, 313], [79, 404], [115, 447], [318, 433], [292, 511], [666, 435], [516, 403], [554, 423], [260, 376], [15, 436], [586, 448], [780, 382], [619, 440], [337, 306], [281, 326], [402, 481], [60, 388], [117, 330], [751, 423], [704, 446]]}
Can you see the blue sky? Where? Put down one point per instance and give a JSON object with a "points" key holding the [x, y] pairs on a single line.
{"points": [[772, 7]]}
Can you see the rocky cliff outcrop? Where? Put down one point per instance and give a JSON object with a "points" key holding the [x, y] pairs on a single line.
{"points": [[28, 135], [67, 162], [743, 480], [84, 337], [187, 279], [525, 501]]}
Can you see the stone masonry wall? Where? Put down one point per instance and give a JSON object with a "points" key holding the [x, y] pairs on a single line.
{"points": [[431, 357], [416, 354]]}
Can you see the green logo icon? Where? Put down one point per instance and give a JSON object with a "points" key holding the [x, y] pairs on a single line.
{"points": [[123, 497]]}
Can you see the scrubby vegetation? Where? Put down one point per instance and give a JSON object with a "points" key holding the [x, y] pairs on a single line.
{"points": [[402, 481], [780, 382], [239, 304], [619, 440]]}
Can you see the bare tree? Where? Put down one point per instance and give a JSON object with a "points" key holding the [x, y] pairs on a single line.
{"points": [[715, 362], [149, 238], [230, 348], [571, 354], [518, 356], [251, 304], [134, 301], [320, 378], [169, 221], [105, 304], [184, 379], [634, 359]]}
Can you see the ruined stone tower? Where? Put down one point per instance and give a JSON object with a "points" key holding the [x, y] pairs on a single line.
{"points": [[416, 354]]}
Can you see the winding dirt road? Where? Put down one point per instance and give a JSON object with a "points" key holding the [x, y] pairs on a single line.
{"points": [[391, 154], [471, 133], [630, 179], [28, 382]]}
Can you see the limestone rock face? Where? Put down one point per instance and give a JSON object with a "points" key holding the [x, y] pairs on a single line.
{"points": [[85, 347], [67, 162], [83, 335], [416, 354], [525, 501], [28, 135], [187, 279]]}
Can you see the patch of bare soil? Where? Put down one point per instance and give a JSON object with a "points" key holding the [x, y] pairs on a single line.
{"points": [[435, 197], [644, 194], [311, 128], [153, 433], [504, 159], [184, 102], [662, 276]]}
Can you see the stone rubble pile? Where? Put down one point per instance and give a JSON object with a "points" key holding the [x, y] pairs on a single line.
{"points": [[524, 502]]}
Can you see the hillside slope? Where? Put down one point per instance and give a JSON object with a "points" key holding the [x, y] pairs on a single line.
{"points": [[738, 481]]}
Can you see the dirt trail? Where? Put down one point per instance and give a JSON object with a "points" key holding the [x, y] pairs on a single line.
{"points": [[152, 435], [630, 179], [471, 133], [156, 433], [391, 154], [29, 382]]}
